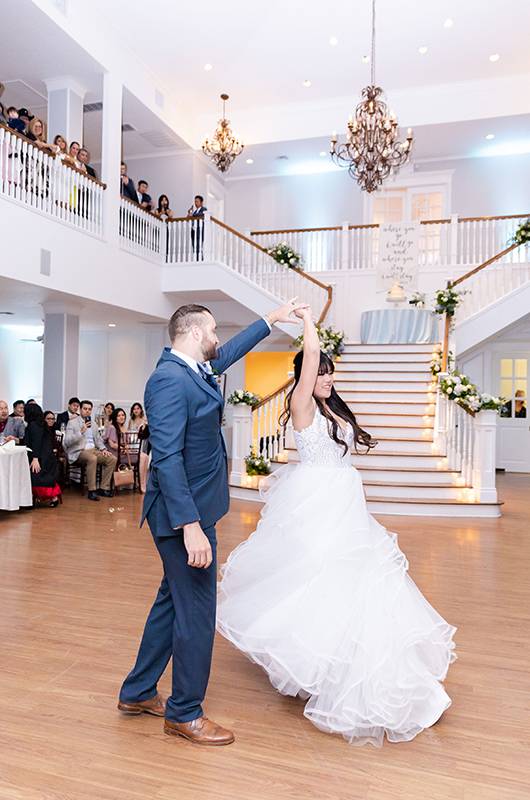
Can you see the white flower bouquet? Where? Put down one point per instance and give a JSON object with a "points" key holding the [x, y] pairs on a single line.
{"points": [[241, 397], [257, 465], [284, 254]]}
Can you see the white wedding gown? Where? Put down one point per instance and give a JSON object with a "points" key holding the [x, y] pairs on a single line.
{"points": [[320, 598]]}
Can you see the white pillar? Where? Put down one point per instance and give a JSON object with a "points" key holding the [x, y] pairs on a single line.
{"points": [[61, 359], [111, 155], [65, 108], [241, 442], [484, 442], [440, 418]]}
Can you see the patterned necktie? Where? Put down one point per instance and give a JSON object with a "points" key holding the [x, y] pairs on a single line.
{"points": [[209, 377]]}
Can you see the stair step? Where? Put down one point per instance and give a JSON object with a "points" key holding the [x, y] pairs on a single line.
{"points": [[410, 475], [394, 457], [406, 432], [412, 491], [391, 406], [374, 364], [376, 388], [364, 373], [382, 419], [355, 347]]}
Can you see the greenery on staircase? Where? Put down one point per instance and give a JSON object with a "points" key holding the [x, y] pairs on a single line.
{"points": [[458, 387], [522, 234], [241, 397], [331, 341], [284, 254], [257, 465]]}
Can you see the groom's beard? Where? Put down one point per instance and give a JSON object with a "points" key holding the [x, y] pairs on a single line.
{"points": [[209, 351]]}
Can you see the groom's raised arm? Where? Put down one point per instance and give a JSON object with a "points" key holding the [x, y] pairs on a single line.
{"points": [[167, 407], [240, 344]]}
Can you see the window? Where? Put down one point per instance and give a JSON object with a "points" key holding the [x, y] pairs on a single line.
{"points": [[513, 385]]}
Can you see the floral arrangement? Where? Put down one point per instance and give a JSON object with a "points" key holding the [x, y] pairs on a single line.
{"points": [[436, 362], [446, 301], [417, 300], [459, 388], [331, 341], [257, 465], [285, 255], [522, 234], [240, 397]]}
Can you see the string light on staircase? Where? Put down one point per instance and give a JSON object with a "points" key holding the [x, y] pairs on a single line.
{"points": [[223, 148], [371, 151]]}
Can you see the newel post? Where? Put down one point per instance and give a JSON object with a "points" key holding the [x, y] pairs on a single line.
{"points": [[241, 441], [484, 445]]}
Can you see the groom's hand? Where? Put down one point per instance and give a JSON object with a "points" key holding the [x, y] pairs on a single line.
{"points": [[197, 546], [285, 313]]}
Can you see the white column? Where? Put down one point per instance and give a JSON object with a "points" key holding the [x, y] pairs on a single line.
{"points": [[440, 418], [61, 358], [111, 155], [65, 108], [485, 430], [241, 442]]}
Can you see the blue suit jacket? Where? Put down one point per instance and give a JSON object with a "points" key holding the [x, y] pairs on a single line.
{"points": [[188, 479]]}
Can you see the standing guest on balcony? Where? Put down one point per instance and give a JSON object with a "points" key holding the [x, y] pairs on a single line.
{"points": [[59, 147], [26, 117], [3, 117], [127, 188], [12, 428], [74, 404], [71, 158], [163, 210], [142, 197], [84, 446], [84, 157], [13, 120], [42, 460], [35, 133], [197, 211]]}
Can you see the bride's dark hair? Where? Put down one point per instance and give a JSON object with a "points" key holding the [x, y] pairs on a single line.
{"points": [[334, 403]]}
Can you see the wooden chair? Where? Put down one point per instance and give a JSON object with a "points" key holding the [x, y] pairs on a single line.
{"points": [[130, 446]]}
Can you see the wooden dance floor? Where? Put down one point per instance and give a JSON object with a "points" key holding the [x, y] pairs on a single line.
{"points": [[75, 586]]}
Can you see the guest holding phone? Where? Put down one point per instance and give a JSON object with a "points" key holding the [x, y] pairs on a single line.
{"points": [[84, 446]]}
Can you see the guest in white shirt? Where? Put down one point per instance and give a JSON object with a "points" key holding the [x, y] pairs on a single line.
{"points": [[84, 446]]}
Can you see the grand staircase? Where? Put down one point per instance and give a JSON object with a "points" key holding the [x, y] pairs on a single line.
{"points": [[390, 390]]}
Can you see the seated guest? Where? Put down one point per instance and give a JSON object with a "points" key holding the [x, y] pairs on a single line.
{"points": [[163, 210], [50, 420], [108, 410], [84, 157], [138, 422], [84, 446], [143, 198], [42, 460], [12, 428], [114, 435], [127, 188], [72, 411]]}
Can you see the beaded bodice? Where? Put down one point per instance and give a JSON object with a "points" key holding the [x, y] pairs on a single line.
{"points": [[317, 448]]}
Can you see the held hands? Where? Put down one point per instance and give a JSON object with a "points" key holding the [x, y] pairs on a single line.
{"points": [[304, 313], [284, 313], [197, 546]]}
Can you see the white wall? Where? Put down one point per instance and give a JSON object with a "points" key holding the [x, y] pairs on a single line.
{"points": [[480, 187], [20, 363]]}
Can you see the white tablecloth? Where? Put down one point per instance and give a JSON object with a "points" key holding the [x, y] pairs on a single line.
{"points": [[15, 479], [399, 325]]}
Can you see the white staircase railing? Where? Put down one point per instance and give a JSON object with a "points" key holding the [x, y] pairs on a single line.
{"points": [[34, 177], [142, 232], [443, 242], [192, 239]]}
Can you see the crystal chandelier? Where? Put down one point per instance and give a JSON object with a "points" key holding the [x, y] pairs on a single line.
{"points": [[223, 148], [371, 151]]}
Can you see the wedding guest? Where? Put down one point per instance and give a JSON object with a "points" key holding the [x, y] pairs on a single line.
{"points": [[163, 210], [35, 133], [12, 428], [143, 198], [74, 404], [84, 446], [84, 157], [108, 410], [59, 147], [115, 430], [73, 152], [25, 117], [138, 422], [520, 406], [18, 409], [197, 211], [50, 420], [127, 188], [13, 120], [42, 460]]}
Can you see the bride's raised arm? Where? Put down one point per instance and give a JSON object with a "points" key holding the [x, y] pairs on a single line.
{"points": [[302, 403]]}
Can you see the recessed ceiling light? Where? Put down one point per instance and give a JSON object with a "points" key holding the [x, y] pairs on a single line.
{"points": [[490, 136], [112, 324], [448, 23], [422, 50], [323, 153], [365, 59], [208, 67], [307, 84], [250, 161], [494, 57], [282, 158], [333, 41]]}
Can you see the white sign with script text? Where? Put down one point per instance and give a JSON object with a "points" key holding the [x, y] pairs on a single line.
{"points": [[398, 255]]}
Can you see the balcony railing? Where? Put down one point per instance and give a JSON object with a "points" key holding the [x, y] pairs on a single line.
{"points": [[142, 232], [453, 241], [36, 178]]}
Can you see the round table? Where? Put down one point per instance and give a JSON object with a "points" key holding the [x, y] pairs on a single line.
{"points": [[15, 478], [399, 326]]}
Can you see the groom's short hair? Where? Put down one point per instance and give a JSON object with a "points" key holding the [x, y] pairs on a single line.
{"points": [[183, 319]]}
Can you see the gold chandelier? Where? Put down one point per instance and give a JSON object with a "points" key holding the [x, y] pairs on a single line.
{"points": [[371, 151], [224, 147]]}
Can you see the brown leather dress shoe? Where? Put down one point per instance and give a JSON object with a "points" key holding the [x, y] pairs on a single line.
{"points": [[200, 731], [155, 705]]}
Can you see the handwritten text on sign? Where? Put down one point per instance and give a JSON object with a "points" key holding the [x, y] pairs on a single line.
{"points": [[398, 255]]}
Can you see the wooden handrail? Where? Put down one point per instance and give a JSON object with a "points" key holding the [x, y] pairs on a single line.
{"points": [[273, 394], [51, 154]]}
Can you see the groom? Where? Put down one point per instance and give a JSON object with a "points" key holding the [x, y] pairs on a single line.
{"points": [[186, 495]]}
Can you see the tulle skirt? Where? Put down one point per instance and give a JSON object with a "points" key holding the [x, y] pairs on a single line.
{"points": [[319, 596]]}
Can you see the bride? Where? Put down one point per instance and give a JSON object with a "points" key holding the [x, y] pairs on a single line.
{"points": [[319, 595]]}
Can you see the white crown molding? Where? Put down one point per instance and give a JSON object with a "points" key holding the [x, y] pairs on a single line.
{"points": [[65, 82]]}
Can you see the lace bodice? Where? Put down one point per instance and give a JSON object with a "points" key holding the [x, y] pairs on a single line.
{"points": [[317, 448]]}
